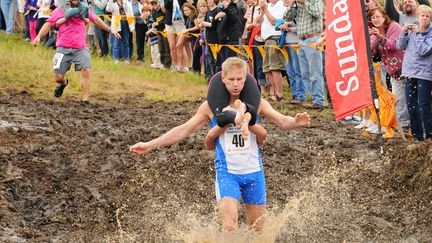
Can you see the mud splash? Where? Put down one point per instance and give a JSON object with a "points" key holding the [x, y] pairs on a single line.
{"points": [[66, 176]]}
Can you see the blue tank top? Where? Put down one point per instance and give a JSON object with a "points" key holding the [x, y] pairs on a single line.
{"points": [[234, 154]]}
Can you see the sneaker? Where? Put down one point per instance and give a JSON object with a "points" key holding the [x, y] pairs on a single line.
{"points": [[363, 124], [153, 65], [317, 106], [348, 118], [357, 118], [116, 61], [59, 89], [296, 101], [174, 69]]}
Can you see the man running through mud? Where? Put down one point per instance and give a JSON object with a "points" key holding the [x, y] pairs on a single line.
{"points": [[71, 48], [239, 170]]}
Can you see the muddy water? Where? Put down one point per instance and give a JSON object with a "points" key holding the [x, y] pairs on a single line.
{"points": [[66, 176]]}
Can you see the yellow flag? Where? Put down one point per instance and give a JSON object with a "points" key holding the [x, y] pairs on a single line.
{"points": [[130, 19], [108, 17], [116, 20], [248, 52], [262, 51], [215, 48], [296, 48], [282, 50], [235, 49]]}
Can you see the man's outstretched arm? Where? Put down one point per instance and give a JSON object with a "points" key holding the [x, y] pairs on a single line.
{"points": [[282, 121], [177, 133], [44, 30]]}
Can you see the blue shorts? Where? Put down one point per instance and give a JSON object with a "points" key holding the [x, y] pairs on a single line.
{"points": [[251, 187]]}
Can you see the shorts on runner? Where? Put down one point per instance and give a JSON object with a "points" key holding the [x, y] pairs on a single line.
{"points": [[64, 58], [249, 187]]}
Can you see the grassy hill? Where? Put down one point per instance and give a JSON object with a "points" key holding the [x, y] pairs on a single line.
{"points": [[29, 69]]}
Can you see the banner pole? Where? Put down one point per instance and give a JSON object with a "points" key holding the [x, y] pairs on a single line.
{"points": [[371, 73]]}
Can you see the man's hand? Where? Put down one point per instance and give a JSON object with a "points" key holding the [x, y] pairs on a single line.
{"points": [[302, 119], [284, 27], [115, 33], [263, 5], [375, 31], [319, 43], [140, 148], [36, 41], [209, 143], [220, 15]]}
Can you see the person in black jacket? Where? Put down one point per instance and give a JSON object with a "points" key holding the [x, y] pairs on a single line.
{"points": [[158, 17], [231, 27], [210, 23]]}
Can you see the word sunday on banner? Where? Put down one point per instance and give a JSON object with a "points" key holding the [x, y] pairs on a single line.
{"points": [[347, 67]]}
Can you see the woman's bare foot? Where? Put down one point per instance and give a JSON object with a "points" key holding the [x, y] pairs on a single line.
{"points": [[241, 109], [245, 125]]}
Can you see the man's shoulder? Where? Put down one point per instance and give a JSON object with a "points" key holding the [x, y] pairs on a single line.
{"points": [[204, 109]]}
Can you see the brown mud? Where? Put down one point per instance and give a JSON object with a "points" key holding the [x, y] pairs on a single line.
{"points": [[66, 176]]}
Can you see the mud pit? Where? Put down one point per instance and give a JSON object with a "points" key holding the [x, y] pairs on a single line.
{"points": [[66, 176]]}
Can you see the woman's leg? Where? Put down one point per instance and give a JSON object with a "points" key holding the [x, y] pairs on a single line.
{"points": [[180, 46], [172, 41]]}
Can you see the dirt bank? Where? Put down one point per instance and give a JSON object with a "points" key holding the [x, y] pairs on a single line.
{"points": [[66, 176]]}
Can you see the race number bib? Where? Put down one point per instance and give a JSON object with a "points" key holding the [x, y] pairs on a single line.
{"points": [[58, 57], [235, 143]]}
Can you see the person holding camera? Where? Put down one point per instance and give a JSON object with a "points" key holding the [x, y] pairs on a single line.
{"points": [[417, 68], [384, 34]]}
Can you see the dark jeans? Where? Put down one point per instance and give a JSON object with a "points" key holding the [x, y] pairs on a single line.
{"points": [[130, 44], [102, 37], [27, 30], [258, 61], [419, 99], [197, 52], [164, 50], [212, 65], [39, 24], [121, 47], [140, 30]]}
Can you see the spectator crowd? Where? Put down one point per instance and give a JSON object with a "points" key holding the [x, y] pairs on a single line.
{"points": [[279, 39]]}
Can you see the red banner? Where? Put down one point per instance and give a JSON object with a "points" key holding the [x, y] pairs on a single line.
{"points": [[347, 66]]}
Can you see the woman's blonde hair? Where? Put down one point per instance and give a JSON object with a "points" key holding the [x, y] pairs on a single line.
{"points": [[424, 9], [201, 2]]}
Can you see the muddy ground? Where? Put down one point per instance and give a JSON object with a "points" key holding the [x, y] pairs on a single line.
{"points": [[66, 176]]}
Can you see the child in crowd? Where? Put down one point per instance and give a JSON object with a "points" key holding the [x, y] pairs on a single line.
{"points": [[152, 38], [31, 15]]}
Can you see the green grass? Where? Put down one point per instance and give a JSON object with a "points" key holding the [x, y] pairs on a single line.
{"points": [[24, 68], [29, 69]]}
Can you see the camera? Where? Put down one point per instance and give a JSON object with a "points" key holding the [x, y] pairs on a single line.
{"points": [[410, 26]]}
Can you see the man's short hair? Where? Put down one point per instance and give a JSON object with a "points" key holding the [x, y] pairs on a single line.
{"points": [[233, 63], [424, 9]]}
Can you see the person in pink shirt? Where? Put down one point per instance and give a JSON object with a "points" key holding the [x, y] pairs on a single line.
{"points": [[71, 48]]}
